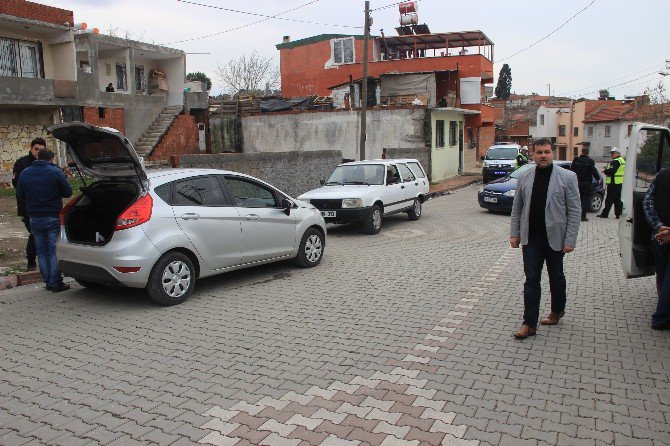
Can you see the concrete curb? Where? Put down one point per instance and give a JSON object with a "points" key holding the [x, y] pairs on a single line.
{"points": [[447, 190], [14, 280]]}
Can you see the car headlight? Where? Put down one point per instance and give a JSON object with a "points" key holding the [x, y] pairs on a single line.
{"points": [[510, 193], [352, 203]]}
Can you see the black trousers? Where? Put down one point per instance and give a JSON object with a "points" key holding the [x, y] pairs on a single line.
{"points": [[535, 254], [613, 198], [585, 195], [31, 252]]}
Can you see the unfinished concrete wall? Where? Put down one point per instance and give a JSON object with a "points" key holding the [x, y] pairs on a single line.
{"points": [[292, 172], [339, 130]]}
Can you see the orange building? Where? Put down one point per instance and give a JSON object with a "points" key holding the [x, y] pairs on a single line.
{"points": [[310, 66]]}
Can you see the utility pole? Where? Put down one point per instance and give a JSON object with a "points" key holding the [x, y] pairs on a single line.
{"points": [[549, 85], [364, 92]]}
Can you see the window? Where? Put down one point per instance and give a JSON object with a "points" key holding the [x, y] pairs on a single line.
{"points": [[653, 154], [139, 78], [630, 130], [589, 131], [608, 131], [561, 130], [606, 151], [439, 133], [542, 119], [575, 131], [121, 80], [452, 133], [101, 112], [343, 50], [251, 195], [392, 175], [405, 173], [199, 191], [20, 58], [417, 170]]}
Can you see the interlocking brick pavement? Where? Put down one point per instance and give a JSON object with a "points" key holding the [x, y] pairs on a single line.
{"points": [[403, 338]]}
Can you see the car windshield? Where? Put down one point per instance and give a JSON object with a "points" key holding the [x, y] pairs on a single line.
{"points": [[365, 174], [501, 153], [519, 171]]}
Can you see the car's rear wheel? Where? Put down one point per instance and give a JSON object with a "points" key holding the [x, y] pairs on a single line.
{"points": [[311, 248], [415, 212], [373, 223], [172, 279], [596, 202]]}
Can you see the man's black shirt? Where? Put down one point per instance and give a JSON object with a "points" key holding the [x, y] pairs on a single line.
{"points": [[538, 201], [19, 166]]}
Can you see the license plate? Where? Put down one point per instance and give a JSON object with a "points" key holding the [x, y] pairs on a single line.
{"points": [[488, 199], [500, 172], [328, 214]]}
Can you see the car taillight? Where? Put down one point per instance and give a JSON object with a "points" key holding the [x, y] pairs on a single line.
{"points": [[137, 213], [66, 209]]}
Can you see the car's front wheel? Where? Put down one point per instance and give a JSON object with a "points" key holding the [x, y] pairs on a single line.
{"points": [[311, 248], [172, 279], [596, 202], [373, 223], [415, 212]]}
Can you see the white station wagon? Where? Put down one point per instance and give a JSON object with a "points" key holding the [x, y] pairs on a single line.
{"points": [[365, 191]]}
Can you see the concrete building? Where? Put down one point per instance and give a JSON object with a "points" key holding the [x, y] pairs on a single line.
{"points": [[547, 121], [461, 63], [51, 72], [447, 153]]}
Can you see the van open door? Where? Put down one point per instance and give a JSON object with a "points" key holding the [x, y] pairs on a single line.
{"points": [[648, 152]]}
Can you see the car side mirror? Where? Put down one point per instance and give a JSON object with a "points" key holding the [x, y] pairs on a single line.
{"points": [[482, 158], [322, 182], [287, 205]]}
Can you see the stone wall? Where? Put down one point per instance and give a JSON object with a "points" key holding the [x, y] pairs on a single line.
{"points": [[180, 139], [292, 172], [15, 142]]}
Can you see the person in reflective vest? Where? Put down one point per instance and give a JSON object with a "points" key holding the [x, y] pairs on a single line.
{"points": [[614, 178], [522, 157]]}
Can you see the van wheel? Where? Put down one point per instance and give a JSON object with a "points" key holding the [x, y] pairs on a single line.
{"points": [[373, 223], [596, 202], [88, 284], [311, 247], [172, 279], [415, 212]]}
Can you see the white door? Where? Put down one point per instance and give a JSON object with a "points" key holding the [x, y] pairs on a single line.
{"points": [[212, 225], [394, 190], [410, 183], [267, 232], [648, 152]]}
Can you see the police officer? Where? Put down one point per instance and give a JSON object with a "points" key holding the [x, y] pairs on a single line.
{"points": [[585, 168], [19, 166], [522, 157], [614, 179]]}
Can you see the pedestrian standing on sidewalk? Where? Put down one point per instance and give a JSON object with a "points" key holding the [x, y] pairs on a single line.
{"points": [[545, 221], [614, 180], [656, 207], [19, 166], [43, 187], [585, 169]]}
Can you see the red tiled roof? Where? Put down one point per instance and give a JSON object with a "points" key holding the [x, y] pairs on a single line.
{"points": [[609, 113], [650, 111]]}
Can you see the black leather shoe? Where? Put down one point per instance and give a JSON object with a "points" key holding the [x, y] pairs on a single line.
{"points": [[602, 216], [663, 326], [585, 219], [60, 287], [47, 287], [31, 266]]}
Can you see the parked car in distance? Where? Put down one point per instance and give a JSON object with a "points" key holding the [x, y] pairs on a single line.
{"points": [[498, 195], [161, 230], [366, 191], [499, 161]]}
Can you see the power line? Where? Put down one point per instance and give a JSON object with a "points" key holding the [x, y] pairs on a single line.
{"points": [[618, 85], [543, 38], [572, 92]]}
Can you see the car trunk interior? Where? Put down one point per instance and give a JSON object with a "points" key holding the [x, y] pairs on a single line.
{"points": [[93, 219]]}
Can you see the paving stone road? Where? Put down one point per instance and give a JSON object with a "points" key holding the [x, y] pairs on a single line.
{"points": [[403, 338]]}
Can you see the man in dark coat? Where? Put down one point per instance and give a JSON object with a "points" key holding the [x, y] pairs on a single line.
{"points": [[585, 168], [43, 186], [20, 165]]}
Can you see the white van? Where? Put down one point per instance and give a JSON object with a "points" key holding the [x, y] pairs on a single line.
{"points": [[647, 154]]}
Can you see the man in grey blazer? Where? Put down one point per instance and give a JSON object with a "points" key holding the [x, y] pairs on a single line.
{"points": [[545, 220]]}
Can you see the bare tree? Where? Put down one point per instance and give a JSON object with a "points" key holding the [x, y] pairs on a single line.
{"points": [[252, 73]]}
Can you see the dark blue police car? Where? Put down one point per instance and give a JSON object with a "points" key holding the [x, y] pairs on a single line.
{"points": [[498, 195]]}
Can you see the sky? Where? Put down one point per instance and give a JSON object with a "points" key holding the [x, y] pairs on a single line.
{"points": [[573, 47]]}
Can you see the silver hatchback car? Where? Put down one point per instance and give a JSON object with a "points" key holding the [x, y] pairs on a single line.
{"points": [[162, 229]]}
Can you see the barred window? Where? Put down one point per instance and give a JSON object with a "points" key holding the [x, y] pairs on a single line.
{"points": [[20, 58]]}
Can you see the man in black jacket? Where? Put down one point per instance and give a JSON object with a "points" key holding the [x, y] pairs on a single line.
{"points": [[19, 166], [585, 168]]}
